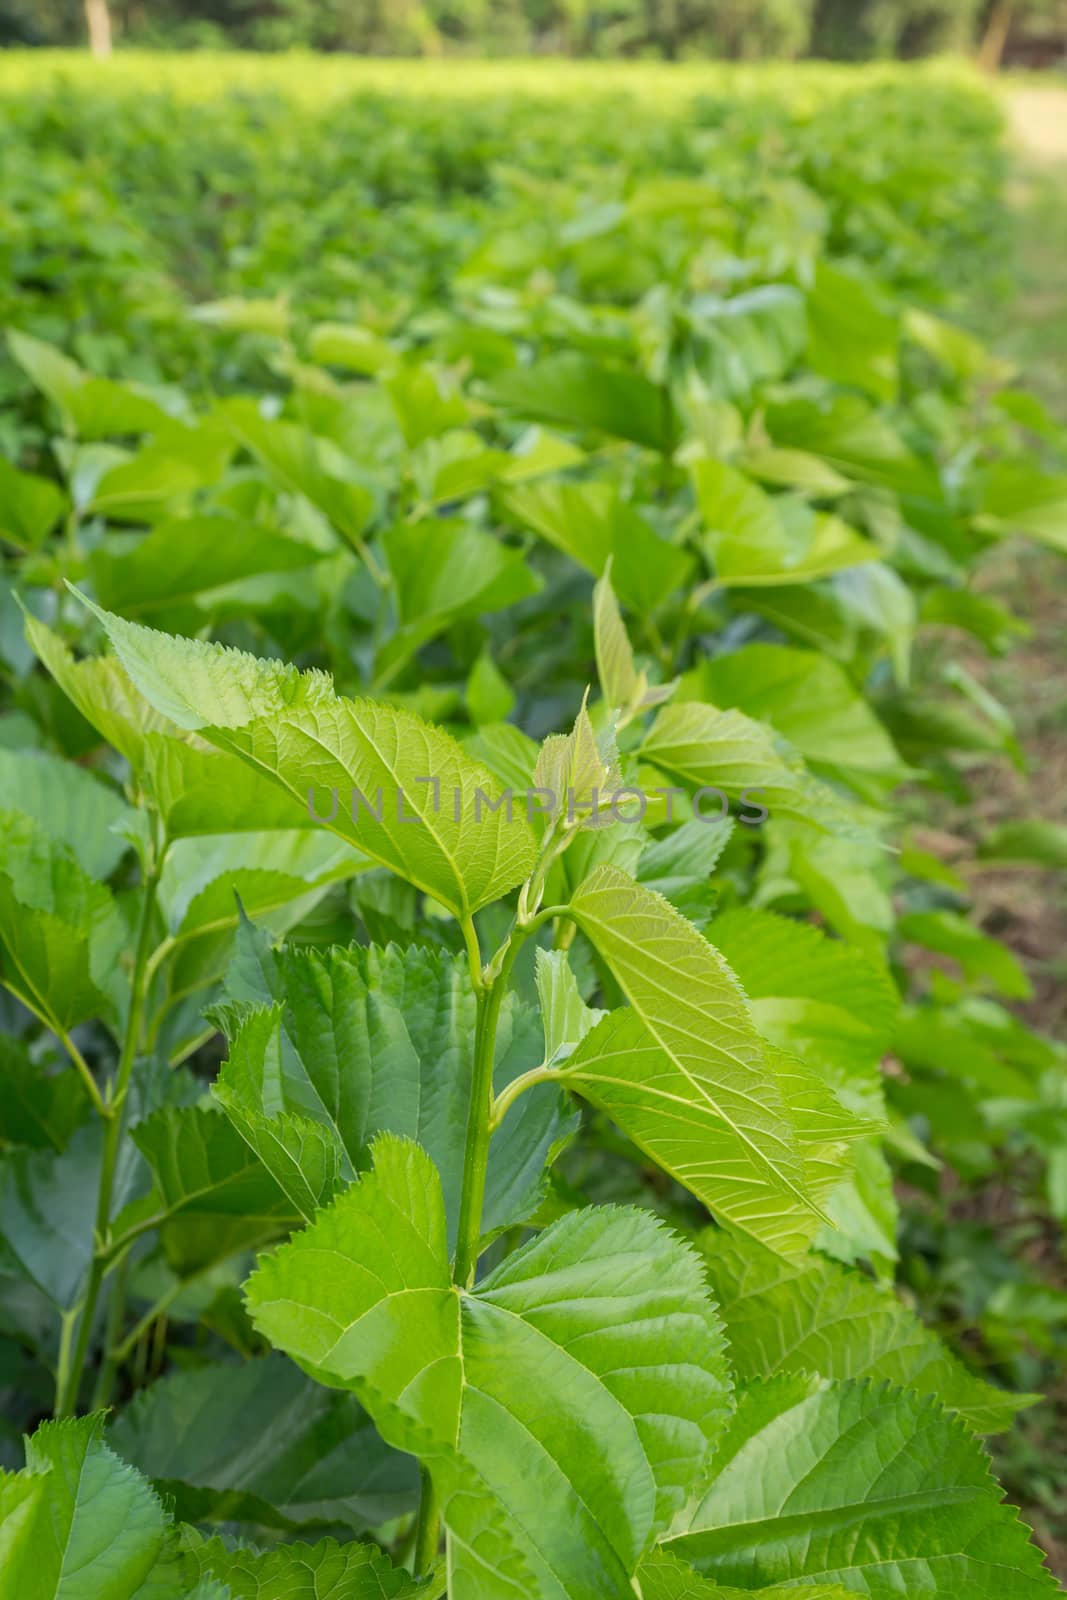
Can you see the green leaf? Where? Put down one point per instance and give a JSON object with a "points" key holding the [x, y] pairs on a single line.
{"points": [[814, 1315], [565, 1016], [48, 1213], [293, 728], [490, 697], [184, 558], [1033, 839], [323, 1571], [983, 960], [625, 689], [819, 998], [297, 461], [30, 507], [142, 487], [977, 614], [574, 391], [1018, 498], [69, 804], [424, 401], [241, 315], [664, 1577], [338, 344], [854, 438], [751, 338], [754, 538], [795, 469], [60, 930], [211, 1198], [953, 348], [872, 1487], [261, 1443], [683, 1070], [362, 1041], [805, 697], [727, 752], [101, 690], [91, 1527], [37, 1107], [204, 877], [851, 339], [199, 790], [443, 571], [593, 524], [564, 1407], [679, 865]]}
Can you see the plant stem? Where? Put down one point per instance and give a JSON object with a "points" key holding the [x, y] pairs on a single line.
{"points": [[518, 1086], [427, 1528], [476, 1152], [114, 1121]]}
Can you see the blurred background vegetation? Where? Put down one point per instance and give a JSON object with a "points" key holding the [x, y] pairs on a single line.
{"points": [[1023, 32]]}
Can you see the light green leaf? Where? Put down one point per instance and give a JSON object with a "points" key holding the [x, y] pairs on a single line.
{"points": [[182, 559], [982, 959], [426, 402], [444, 570], [555, 1460], [574, 391], [679, 865], [362, 1041], [199, 790], [814, 1315], [729, 752], [875, 1488], [204, 877], [1033, 839], [433, 828], [69, 804], [211, 1197], [490, 697], [297, 460], [338, 344], [240, 315], [92, 1528], [592, 523], [30, 507], [664, 1577], [1017, 498], [819, 998], [805, 697], [625, 689], [323, 1571], [102, 692], [851, 338], [565, 1016], [956, 350], [754, 538], [683, 1070], [751, 338], [261, 1443], [60, 931], [795, 469]]}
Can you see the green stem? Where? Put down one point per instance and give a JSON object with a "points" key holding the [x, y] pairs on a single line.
{"points": [[428, 1527], [115, 1104], [116, 1314], [476, 1152], [508, 1095]]}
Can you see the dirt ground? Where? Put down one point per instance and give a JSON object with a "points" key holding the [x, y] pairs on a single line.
{"points": [[1026, 907], [1038, 118]]}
